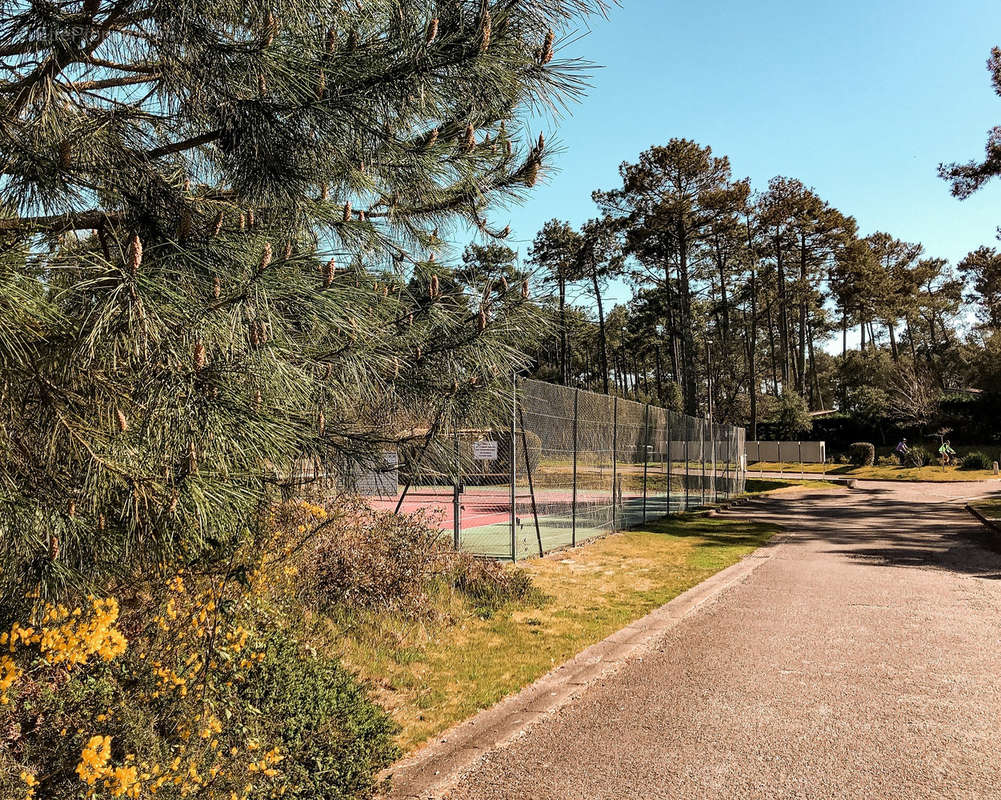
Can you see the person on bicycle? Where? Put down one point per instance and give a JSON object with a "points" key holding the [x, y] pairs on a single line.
{"points": [[901, 450], [946, 452]]}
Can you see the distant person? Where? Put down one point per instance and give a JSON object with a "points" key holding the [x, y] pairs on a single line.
{"points": [[902, 450], [946, 452]]}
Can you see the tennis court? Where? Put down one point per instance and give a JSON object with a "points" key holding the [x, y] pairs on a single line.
{"points": [[550, 466]]}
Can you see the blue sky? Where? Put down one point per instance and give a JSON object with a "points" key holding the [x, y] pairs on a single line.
{"points": [[860, 100]]}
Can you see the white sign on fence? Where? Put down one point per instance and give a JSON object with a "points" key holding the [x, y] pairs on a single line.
{"points": [[485, 451]]}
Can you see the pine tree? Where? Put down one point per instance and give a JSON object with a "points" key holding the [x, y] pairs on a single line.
{"points": [[219, 223]]}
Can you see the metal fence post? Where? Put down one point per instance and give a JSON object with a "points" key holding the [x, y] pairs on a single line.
{"points": [[573, 503], [615, 455], [702, 460], [646, 445], [514, 449], [667, 435], [531, 483], [687, 471], [713, 431], [456, 490]]}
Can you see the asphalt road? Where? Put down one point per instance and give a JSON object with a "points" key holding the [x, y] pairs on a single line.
{"points": [[862, 660]]}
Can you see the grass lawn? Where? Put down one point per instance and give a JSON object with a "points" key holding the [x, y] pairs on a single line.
{"points": [[933, 474], [989, 508], [754, 486], [433, 675]]}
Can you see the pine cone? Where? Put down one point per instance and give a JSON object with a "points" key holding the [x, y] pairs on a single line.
{"points": [[524, 289], [321, 86], [547, 48], [265, 257], [184, 225], [288, 250], [469, 140], [432, 32], [481, 321], [65, 154], [123, 423], [135, 254], [218, 224], [486, 31], [198, 357], [531, 172], [270, 30], [331, 41], [251, 219], [192, 459], [216, 287], [542, 142], [433, 139], [347, 211], [321, 422], [328, 274], [433, 292]]}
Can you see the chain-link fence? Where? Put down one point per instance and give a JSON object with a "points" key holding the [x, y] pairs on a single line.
{"points": [[565, 465]]}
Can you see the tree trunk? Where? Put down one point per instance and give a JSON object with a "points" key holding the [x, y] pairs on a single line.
{"points": [[602, 340], [802, 315], [689, 388], [771, 347], [893, 342], [659, 373], [564, 370], [672, 327], [783, 312], [819, 397]]}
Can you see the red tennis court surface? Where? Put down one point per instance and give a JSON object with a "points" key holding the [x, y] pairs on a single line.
{"points": [[479, 508]]}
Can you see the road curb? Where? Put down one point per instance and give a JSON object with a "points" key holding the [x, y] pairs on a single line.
{"points": [[990, 524], [438, 766]]}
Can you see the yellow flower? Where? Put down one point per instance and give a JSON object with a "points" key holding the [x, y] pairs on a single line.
{"points": [[94, 759]]}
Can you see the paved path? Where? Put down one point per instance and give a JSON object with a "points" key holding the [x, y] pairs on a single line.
{"points": [[861, 660]]}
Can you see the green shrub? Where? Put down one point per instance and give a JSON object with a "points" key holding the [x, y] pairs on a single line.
{"points": [[887, 461], [198, 691], [976, 460], [862, 454], [334, 738], [917, 457]]}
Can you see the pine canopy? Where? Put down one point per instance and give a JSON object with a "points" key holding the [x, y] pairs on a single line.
{"points": [[220, 250]]}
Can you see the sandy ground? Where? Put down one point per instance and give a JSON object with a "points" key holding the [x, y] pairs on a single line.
{"points": [[861, 660]]}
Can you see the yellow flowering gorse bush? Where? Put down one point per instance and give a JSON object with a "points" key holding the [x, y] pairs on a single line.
{"points": [[184, 694]]}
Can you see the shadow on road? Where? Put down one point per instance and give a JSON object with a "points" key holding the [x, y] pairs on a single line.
{"points": [[891, 527]]}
